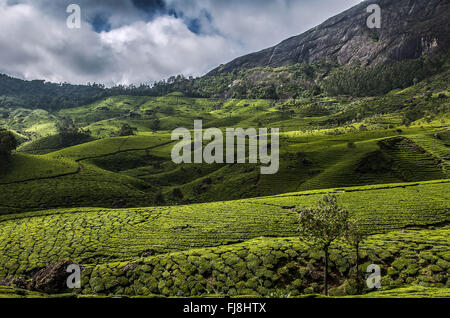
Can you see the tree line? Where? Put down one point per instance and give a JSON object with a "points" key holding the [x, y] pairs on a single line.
{"points": [[304, 80], [360, 81]]}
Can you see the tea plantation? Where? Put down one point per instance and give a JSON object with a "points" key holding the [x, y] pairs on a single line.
{"points": [[140, 225], [277, 267], [32, 240], [265, 267]]}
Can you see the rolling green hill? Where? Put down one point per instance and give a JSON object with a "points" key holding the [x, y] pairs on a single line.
{"points": [[133, 236], [100, 235], [50, 143], [276, 267], [132, 171], [141, 225]]}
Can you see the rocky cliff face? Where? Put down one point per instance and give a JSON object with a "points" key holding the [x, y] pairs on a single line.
{"points": [[409, 29]]}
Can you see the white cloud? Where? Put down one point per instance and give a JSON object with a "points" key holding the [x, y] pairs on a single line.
{"points": [[258, 24], [36, 44], [160, 48]]}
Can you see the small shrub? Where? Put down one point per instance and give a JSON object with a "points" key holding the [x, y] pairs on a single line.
{"points": [[177, 193]]}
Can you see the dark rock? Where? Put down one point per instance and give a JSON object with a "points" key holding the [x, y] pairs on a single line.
{"points": [[147, 253], [129, 267], [119, 204], [15, 282], [53, 278], [410, 29]]}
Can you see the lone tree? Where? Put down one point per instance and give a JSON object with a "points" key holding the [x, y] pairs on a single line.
{"points": [[8, 143], [126, 130], [321, 226], [155, 125], [177, 193], [69, 133], [355, 235]]}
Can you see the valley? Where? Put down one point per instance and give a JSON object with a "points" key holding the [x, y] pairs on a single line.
{"points": [[87, 174]]}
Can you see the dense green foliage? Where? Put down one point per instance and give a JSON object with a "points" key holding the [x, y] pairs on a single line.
{"points": [[140, 225], [8, 143], [143, 163], [379, 80], [41, 94], [321, 226], [89, 235], [273, 267], [300, 80]]}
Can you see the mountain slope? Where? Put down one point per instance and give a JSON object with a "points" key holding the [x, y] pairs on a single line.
{"points": [[410, 29]]}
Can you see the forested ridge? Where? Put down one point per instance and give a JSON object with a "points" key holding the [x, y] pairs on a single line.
{"points": [[296, 81]]}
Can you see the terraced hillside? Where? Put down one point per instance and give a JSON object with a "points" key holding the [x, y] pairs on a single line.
{"points": [[66, 178], [278, 266], [117, 247], [137, 171], [141, 225], [437, 145], [101, 235]]}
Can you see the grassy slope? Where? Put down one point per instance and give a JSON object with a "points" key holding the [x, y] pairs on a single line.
{"points": [[49, 144], [67, 178], [312, 158], [100, 235], [279, 267], [276, 267], [29, 167], [127, 171], [306, 163]]}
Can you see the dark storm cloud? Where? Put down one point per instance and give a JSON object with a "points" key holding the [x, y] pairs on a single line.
{"points": [[134, 41]]}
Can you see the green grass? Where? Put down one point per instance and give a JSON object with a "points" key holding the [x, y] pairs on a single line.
{"points": [[415, 291], [49, 144], [275, 267], [65, 203], [100, 235], [382, 207], [315, 162], [110, 146], [8, 292], [34, 123], [412, 262], [239, 247], [142, 164], [87, 186], [29, 167], [67, 178]]}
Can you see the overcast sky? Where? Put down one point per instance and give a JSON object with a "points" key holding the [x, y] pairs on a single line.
{"points": [[141, 41]]}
